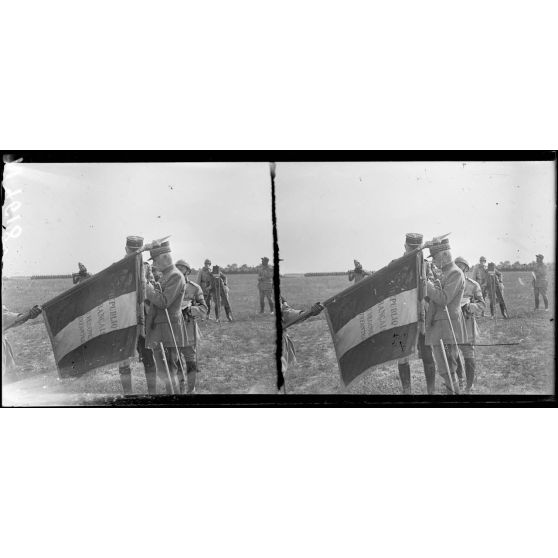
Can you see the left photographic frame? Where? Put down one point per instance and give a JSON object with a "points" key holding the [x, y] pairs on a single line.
{"points": [[123, 281]]}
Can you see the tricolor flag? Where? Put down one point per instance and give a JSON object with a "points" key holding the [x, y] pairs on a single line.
{"points": [[376, 320], [96, 322]]}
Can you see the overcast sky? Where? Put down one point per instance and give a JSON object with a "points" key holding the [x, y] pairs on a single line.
{"points": [[330, 213], [83, 212]]}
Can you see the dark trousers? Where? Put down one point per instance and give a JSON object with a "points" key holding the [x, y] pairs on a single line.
{"points": [[146, 358], [263, 295], [425, 353], [540, 291], [221, 299]]}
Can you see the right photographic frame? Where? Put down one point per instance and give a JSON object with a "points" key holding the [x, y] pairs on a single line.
{"points": [[418, 276]]}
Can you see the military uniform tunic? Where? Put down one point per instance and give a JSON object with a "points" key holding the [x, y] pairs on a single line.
{"points": [[449, 295], [173, 286], [193, 306]]}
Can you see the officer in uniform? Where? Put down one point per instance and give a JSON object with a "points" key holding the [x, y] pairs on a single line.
{"points": [[133, 244], [193, 307], [540, 282], [357, 274], [165, 306], [445, 292], [495, 282], [219, 291], [472, 305], [205, 281], [10, 320], [412, 242], [265, 285]]}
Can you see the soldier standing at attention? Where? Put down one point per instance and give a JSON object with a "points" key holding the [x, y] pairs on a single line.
{"points": [[412, 242], [219, 291], [357, 274], [445, 294], [480, 275], [166, 306], [205, 281], [495, 282], [265, 285], [133, 244], [82, 275], [472, 305], [193, 306], [540, 282]]}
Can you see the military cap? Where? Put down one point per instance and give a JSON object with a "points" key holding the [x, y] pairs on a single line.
{"points": [[183, 263], [440, 247], [462, 261], [164, 248], [539, 256], [491, 266], [265, 259], [134, 242], [413, 239]]}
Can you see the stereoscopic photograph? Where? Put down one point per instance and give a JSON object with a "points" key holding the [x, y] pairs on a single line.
{"points": [[123, 280], [164, 283]]}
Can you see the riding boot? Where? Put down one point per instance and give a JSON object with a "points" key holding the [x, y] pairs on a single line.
{"points": [[503, 310], [430, 374], [470, 365], [405, 375], [459, 372], [126, 379], [191, 372]]}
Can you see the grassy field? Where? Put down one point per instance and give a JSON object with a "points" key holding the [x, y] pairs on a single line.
{"points": [[237, 357], [524, 369]]}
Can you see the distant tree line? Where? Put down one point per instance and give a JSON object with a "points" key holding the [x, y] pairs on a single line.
{"points": [[67, 276], [325, 273], [517, 266]]}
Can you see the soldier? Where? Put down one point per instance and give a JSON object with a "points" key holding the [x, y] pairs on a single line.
{"points": [[472, 305], [265, 285], [445, 294], [133, 244], [357, 274], [9, 320], [288, 317], [540, 282], [219, 291], [205, 281], [82, 275], [412, 242], [165, 324], [495, 282], [193, 306], [480, 275]]}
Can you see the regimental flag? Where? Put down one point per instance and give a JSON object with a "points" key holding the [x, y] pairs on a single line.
{"points": [[96, 322], [376, 320]]}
